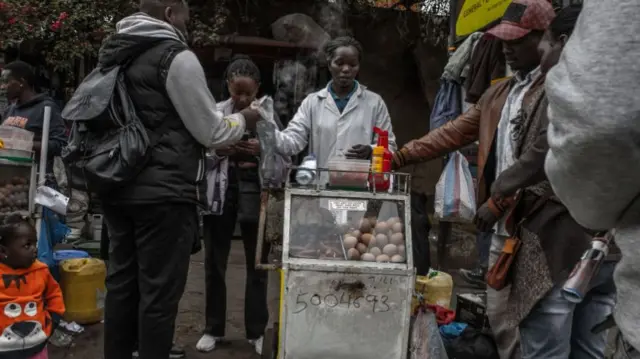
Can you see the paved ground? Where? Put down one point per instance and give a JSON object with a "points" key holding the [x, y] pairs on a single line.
{"points": [[190, 319]]}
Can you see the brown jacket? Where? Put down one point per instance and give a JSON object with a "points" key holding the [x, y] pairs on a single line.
{"points": [[479, 123], [552, 241]]}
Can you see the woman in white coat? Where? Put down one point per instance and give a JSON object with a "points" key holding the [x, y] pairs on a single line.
{"points": [[339, 118]]}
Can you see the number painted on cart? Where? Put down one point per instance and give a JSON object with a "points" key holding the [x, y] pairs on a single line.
{"points": [[374, 303]]}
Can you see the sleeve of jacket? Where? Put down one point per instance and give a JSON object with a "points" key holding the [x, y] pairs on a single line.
{"points": [[57, 132], [293, 139], [594, 116], [54, 303], [529, 168], [383, 122], [187, 89], [445, 139]]}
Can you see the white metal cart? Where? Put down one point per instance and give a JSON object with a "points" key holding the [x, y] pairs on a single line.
{"points": [[339, 300]]}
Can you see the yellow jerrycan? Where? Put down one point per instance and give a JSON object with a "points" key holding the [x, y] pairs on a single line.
{"points": [[82, 281], [436, 288]]}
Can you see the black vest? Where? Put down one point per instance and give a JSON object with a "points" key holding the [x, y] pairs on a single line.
{"points": [[175, 172]]}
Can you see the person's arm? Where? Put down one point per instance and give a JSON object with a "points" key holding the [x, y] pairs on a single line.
{"points": [[293, 139], [57, 132], [187, 88], [594, 115], [528, 169], [53, 300], [383, 122], [447, 138]]}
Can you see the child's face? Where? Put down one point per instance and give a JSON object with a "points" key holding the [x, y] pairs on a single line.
{"points": [[21, 250]]}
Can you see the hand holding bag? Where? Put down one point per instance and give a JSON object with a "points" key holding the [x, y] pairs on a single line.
{"points": [[498, 277]]}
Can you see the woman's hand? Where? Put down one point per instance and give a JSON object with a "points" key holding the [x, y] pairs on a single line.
{"points": [[361, 152], [250, 147]]}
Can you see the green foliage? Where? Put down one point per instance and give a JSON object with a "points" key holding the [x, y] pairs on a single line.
{"points": [[62, 30]]}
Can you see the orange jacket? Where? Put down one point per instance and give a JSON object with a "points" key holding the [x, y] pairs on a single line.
{"points": [[30, 302]]}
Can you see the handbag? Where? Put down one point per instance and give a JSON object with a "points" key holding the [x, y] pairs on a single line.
{"points": [[498, 277]]}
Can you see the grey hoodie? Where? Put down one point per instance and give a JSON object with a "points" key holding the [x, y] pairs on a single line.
{"points": [[594, 137], [187, 87]]}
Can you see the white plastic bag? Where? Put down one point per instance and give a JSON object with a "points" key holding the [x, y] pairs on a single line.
{"points": [[455, 198], [52, 199]]}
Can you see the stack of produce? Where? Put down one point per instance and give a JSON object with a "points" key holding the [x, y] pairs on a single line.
{"points": [[376, 241], [14, 196]]}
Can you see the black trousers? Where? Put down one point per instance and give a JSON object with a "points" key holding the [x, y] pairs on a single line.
{"points": [[218, 232], [420, 227], [149, 250]]}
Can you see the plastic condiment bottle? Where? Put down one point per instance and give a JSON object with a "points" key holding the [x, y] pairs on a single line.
{"points": [[307, 170], [381, 161]]}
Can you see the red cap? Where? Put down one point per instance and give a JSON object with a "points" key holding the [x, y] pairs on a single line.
{"points": [[522, 17], [383, 137]]}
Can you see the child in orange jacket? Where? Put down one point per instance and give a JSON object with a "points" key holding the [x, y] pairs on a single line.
{"points": [[31, 302]]}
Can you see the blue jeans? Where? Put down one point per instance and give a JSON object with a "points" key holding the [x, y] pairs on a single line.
{"points": [[483, 244], [559, 329]]}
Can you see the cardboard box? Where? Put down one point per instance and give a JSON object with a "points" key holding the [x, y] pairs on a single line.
{"points": [[471, 309]]}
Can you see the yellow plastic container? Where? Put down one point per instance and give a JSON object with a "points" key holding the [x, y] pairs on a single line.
{"points": [[436, 288], [82, 282]]}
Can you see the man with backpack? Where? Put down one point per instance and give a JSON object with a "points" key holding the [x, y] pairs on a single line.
{"points": [[163, 105]]}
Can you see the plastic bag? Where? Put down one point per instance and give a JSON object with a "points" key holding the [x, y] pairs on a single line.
{"points": [[455, 198], [425, 341], [273, 166], [52, 199]]}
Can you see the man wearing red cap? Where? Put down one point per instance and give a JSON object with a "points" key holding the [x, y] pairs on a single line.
{"points": [[507, 121]]}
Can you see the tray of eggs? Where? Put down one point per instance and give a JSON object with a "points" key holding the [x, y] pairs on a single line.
{"points": [[376, 241]]}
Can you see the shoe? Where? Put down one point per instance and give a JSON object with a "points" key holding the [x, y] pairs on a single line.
{"points": [[257, 344], [175, 353], [207, 343], [475, 277]]}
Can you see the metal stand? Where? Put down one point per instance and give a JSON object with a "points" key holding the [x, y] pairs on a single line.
{"points": [[42, 167]]}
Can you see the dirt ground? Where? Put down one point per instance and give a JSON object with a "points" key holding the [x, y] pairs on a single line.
{"points": [[190, 321]]}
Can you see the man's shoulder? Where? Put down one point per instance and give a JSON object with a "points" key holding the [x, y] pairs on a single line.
{"points": [[498, 87]]}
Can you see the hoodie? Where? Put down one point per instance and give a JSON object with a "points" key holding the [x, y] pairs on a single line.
{"points": [[30, 116], [32, 306], [186, 83], [594, 138]]}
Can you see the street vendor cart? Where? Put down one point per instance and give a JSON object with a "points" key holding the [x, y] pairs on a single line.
{"points": [[347, 275], [17, 173]]}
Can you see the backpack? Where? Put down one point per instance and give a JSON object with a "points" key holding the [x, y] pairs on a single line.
{"points": [[108, 145]]}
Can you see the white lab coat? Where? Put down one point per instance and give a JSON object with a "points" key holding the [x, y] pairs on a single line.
{"points": [[333, 132]]}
